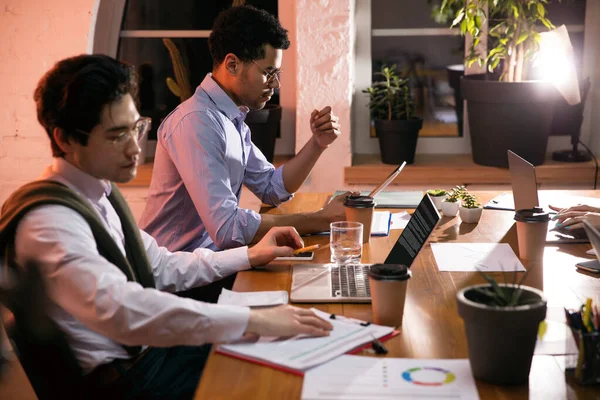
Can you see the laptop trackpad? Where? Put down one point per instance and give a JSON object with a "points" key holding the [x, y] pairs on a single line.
{"points": [[311, 282]]}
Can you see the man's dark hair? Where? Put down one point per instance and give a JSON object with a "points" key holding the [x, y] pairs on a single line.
{"points": [[244, 31], [72, 94]]}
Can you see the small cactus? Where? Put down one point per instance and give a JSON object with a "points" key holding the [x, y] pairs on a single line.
{"points": [[180, 86]]}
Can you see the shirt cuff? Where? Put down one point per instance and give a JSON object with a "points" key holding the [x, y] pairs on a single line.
{"points": [[227, 322], [277, 183], [233, 260]]}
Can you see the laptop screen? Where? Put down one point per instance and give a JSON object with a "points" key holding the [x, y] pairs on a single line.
{"points": [[414, 236]]}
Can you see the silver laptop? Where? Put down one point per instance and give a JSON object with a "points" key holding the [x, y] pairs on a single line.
{"points": [[332, 283], [525, 194]]}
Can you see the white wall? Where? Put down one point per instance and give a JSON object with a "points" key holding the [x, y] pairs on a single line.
{"points": [[34, 35]]}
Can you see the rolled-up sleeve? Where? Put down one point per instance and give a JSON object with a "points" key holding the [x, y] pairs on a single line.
{"points": [[197, 146], [263, 179]]}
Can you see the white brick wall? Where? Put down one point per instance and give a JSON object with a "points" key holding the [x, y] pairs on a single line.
{"points": [[34, 34]]}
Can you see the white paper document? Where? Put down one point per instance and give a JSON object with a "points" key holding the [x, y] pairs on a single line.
{"points": [[381, 223], [253, 299], [356, 377], [302, 352], [486, 257], [399, 220], [591, 252]]}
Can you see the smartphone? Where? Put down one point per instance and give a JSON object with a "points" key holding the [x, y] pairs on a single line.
{"points": [[591, 266], [306, 256]]}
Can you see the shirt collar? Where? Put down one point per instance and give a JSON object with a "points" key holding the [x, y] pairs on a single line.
{"points": [[91, 187], [222, 99]]}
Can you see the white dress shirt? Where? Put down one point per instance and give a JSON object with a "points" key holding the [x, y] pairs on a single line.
{"points": [[91, 299]]}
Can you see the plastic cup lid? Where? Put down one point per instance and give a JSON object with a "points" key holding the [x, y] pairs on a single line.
{"points": [[359, 201], [389, 272], [535, 214]]}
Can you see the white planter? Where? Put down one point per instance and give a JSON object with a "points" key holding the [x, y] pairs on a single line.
{"points": [[449, 209], [437, 201], [470, 215]]}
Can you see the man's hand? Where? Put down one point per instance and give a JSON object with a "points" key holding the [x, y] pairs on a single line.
{"points": [[278, 242], [571, 218], [286, 320], [324, 126], [335, 209]]}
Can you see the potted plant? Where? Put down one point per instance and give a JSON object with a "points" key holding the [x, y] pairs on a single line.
{"points": [[437, 196], [501, 322], [392, 109], [509, 112], [451, 202], [470, 210]]}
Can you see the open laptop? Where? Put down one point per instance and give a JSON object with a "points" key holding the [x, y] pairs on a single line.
{"points": [[393, 199], [525, 194], [330, 283]]}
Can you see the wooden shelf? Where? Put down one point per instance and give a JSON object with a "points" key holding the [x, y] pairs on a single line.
{"points": [[459, 169], [438, 170]]}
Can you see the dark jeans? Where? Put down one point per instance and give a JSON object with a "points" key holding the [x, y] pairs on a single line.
{"points": [[162, 373]]}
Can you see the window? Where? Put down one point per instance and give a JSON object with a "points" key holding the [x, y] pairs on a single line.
{"points": [[187, 23]]}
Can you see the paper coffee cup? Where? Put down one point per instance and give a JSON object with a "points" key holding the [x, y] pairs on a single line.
{"points": [[388, 283], [360, 209], [532, 228]]}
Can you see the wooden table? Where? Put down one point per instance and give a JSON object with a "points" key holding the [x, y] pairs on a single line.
{"points": [[432, 327]]}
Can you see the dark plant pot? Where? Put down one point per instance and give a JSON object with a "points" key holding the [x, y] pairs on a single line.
{"points": [[264, 125], [455, 72], [501, 340], [505, 116], [398, 140]]}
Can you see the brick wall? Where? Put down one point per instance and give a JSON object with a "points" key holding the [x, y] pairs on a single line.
{"points": [[34, 34]]}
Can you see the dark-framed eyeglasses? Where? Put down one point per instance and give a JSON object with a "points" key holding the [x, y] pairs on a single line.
{"points": [[271, 76], [139, 130]]}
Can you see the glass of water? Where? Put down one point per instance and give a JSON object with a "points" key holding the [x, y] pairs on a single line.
{"points": [[345, 238]]}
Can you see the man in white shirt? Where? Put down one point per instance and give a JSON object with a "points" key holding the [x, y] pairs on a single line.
{"points": [[86, 106]]}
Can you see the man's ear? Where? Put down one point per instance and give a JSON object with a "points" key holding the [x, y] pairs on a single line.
{"points": [[232, 64], [61, 140]]}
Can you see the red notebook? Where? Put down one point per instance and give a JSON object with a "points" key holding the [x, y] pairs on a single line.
{"points": [[297, 355]]}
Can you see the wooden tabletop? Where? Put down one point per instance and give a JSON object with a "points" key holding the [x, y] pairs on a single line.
{"points": [[431, 327]]}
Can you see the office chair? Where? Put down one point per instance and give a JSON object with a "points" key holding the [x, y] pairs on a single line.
{"points": [[39, 343]]}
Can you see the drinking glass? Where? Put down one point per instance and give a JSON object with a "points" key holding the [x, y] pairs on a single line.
{"points": [[345, 238]]}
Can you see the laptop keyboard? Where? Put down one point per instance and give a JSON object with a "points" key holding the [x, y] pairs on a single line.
{"points": [[350, 280]]}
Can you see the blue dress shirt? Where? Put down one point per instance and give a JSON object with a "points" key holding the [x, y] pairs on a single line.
{"points": [[204, 155]]}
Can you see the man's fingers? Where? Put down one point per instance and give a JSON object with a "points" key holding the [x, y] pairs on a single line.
{"points": [[316, 322], [326, 110]]}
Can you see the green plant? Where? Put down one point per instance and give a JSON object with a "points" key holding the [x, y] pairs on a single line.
{"points": [[507, 295], [389, 98], [469, 200], [512, 32], [180, 87], [455, 194], [437, 192]]}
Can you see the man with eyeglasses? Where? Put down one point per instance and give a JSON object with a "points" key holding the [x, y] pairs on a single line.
{"points": [[204, 154], [108, 282]]}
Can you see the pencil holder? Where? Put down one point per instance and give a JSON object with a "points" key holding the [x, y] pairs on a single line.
{"points": [[587, 371]]}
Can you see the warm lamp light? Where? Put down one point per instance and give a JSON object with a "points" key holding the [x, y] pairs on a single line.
{"points": [[556, 63]]}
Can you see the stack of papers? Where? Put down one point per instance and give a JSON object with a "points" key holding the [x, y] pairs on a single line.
{"points": [[354, 377], [253, 299], [403, 199], [299, 353]]}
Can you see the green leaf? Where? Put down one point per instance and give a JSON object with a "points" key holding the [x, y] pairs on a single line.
{"points": [[541, 10], [547, 23], [522, 37], [458, 18], [515, 11]]}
